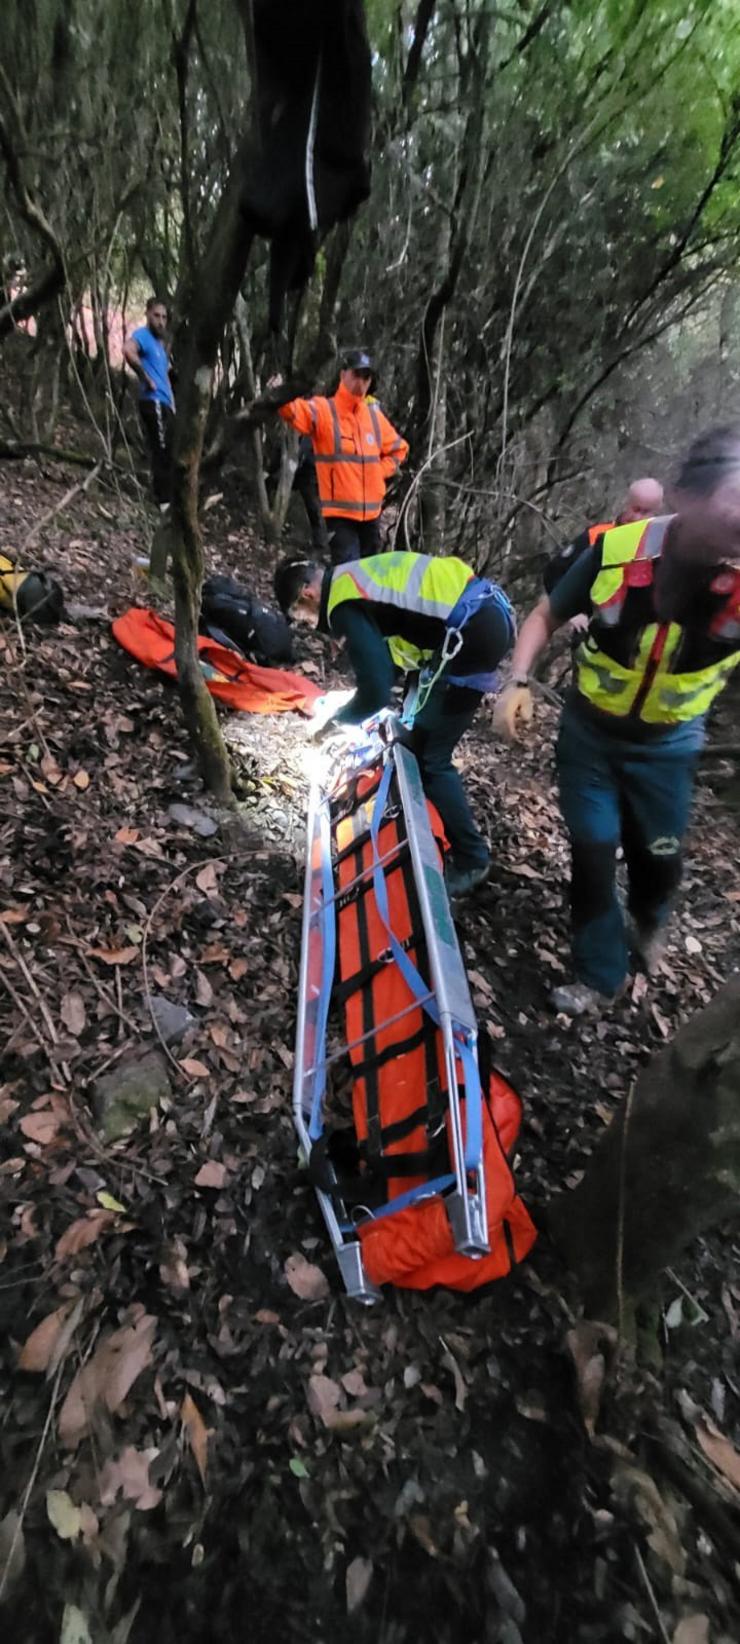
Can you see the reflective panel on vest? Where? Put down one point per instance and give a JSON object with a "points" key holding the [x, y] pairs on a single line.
{"points": [[647, 685], [414, 582]]}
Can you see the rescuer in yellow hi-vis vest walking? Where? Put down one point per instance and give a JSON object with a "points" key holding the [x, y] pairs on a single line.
{"points": [[663, 600], [415, 613]]}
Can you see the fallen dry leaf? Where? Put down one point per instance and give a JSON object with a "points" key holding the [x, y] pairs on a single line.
{"points": [[211, 1174], [719, 1450], [346, 1421], [81, 780], [128, 1476], [203, 989], [592, 1347], [206, 880], [637, 1488], [357, 1583], [305, 1279], [37, 1349], [323, 1397], [173, 1269], [354, 1383], [40, 1127], [661, 1022], [114, 956], [62, 1514], [194, 1069], [450, 1363], [197, 1434], [639, 988], [13, 916], [126, 836], [72, 1012], [50, 769], [116, 1364], [82, 1233]]}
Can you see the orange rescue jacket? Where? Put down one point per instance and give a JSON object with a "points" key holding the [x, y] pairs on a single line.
{"points": [[356, 451]]}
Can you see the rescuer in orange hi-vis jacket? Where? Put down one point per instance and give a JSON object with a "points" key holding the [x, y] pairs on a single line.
{"points": [[357, 450]]}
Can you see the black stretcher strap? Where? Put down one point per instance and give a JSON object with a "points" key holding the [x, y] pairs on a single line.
{"points": [[356, 1185], [355, 893], [372, 1106], [378, 1058], [360, 978], [351, 799]]}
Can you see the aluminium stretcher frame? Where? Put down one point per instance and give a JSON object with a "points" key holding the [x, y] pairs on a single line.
{"points": [[447, 1000]]}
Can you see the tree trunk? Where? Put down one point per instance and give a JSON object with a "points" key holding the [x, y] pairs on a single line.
{"points": [[667, 1168], [432, 486], [211, 302]]}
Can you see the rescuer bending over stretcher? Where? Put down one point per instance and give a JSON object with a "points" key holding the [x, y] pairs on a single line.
{"points": [[413, 612]]}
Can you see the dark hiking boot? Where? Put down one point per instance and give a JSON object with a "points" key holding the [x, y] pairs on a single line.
{"points": [[648, 945], [461, 881], [578, 999]]}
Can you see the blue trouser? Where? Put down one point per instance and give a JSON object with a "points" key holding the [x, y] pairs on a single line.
{"points": [[614, 790], [446, 716]]}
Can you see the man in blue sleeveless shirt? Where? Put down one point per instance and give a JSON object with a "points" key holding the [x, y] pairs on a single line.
{"points": [[147, 354]]}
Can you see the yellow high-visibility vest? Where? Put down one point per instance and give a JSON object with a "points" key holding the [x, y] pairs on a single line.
{"points": [[627, 668], [426, 584]]}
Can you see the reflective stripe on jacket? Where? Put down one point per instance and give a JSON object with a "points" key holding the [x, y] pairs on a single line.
{"points": [[427, 584], [663, 673], [356, 451]]}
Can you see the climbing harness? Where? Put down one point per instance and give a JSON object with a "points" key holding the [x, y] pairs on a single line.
{"points": [[478, 593], [412, 1177]]}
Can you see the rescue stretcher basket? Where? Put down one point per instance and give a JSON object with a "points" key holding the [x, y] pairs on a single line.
{"points": [[383, 775]]}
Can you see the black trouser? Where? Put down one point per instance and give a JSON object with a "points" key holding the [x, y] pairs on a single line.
{"points": [[158, 422], [306, 484], [352, 539]]}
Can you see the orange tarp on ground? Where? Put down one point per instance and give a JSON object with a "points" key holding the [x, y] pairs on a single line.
{"points": [[237, 683]]}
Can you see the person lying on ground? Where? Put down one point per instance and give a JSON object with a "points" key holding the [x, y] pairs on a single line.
{"points": [[410, 612], [662, 598]]}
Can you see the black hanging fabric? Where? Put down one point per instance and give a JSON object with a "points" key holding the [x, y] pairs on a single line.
{"points": [[314, 100]]}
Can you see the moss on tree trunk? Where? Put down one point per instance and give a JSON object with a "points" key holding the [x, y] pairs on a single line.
{"points": [[667, 1168]]}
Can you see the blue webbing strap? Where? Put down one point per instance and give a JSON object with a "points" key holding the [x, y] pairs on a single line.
{"points": [[416, 985], [477, 593], [328, 929], [413, 1194]]}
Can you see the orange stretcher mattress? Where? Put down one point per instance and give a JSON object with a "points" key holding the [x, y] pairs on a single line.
{"points": [[399, 1089]]}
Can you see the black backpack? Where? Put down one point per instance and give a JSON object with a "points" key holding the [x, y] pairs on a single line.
{"points": [[232, 616]]}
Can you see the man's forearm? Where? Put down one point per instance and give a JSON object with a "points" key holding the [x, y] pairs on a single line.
{"points": [[534, 637], [134, 362]]}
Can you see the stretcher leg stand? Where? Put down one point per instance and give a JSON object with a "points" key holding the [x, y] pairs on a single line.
{"points": [[445, 998]]}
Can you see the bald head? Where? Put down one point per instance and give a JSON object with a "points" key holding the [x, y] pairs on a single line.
{"points": [[643, 500]]}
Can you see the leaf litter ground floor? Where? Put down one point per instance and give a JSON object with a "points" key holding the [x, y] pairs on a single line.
{"points": [[261, 1452]]}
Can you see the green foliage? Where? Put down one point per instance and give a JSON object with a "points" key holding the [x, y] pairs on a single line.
{"points": [[561, 184]]}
